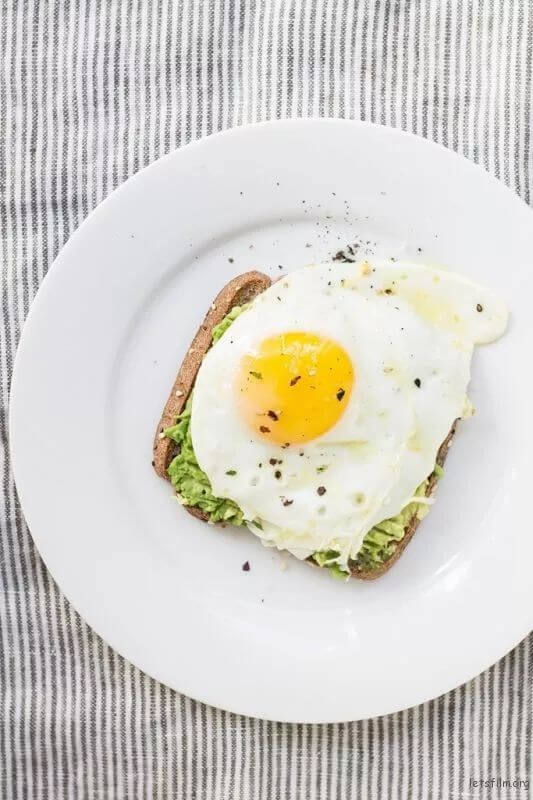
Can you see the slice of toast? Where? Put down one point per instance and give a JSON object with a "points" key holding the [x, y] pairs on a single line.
{"points": [[238, 291]]}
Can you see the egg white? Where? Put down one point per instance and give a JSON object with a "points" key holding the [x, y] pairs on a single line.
{"points": [[409, 331]]}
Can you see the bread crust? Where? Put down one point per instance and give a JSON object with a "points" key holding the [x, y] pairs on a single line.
{"points": [[238, 291]]}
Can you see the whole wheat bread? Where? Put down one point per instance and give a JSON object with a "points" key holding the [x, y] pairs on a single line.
{"points": [[238, 291]]}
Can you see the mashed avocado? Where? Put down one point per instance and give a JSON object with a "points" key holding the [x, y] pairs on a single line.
{"points": [[224, 324], [194, 489], [190, 482]]}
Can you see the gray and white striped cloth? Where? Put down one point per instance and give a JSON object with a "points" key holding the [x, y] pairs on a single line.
{"points": [[90, 92]]}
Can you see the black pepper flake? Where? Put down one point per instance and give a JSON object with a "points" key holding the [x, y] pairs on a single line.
{"points": [[257, 375], [301, 453], [418, 383], [273, 415], [286, 501], [277, 474], [264, 429], [231, 260], [295, 380], [479, 307], [345, 256], [231, 472], [340, 394], [273, 461], [321, 490], [388, 291], [246, 566]]}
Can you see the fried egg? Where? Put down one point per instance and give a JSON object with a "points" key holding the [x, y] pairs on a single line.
{"points": [[322, 408]]}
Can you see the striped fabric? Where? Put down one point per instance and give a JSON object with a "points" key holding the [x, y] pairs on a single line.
{"points": [[90, 92]]}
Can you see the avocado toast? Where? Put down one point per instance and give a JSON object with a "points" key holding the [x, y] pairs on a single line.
{"points": [[174, 458]]}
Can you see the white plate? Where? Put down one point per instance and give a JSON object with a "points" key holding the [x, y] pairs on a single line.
{"points": [[99, 352]]}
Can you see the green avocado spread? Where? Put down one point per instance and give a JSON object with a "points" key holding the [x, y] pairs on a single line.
{"points": [[194, 489], [190, 482]]}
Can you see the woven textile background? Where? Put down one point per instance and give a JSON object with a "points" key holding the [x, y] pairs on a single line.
{"points": [[90, 92]]}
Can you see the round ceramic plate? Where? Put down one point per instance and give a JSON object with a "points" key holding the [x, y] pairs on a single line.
{"points": [[100, 350]]}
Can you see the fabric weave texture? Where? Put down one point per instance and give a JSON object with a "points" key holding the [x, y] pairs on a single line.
{"points": [[90, 92]]}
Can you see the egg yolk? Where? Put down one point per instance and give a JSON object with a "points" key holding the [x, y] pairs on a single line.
{"points": [[295, 387]]}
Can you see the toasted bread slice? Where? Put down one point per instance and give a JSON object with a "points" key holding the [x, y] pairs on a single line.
{"points": [[238, 291]]}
